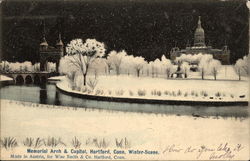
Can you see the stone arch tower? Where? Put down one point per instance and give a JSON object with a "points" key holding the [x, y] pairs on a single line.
{"points": [[50, 53]]}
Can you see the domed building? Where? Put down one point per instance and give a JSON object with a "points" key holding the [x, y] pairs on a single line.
{"points": [[200, 46]]}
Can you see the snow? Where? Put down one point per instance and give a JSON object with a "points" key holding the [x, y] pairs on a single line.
{"points": [[56, 78], [229, 90], [5, 78], [143, 131]]}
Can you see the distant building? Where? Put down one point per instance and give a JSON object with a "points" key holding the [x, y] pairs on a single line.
{"points": [[50, 53], [200, 47]]}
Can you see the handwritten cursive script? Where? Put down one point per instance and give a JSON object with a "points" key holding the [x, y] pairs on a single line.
{"points": [[222, 151]]}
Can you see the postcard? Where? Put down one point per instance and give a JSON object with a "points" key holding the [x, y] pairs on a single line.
{"points": [[124, 80]]}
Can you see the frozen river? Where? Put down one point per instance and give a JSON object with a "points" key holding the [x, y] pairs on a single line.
{"points": [[48, 94]]}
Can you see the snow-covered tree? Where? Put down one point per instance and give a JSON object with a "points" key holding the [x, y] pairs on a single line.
{"points": [[238, 67], [128, 64], [138, 63], [27, 66], [167, 66], [214, 66], [245, 65], [83, 54], [51, 67], [185, 67], [116, 59], [151, 68], [242, 67], [36, 67], [5, 66], [69, 70], [108, 63], [203, 64], [98, 66]]}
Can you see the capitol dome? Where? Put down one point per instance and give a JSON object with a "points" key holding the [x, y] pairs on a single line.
{"points": [[199, 35]]}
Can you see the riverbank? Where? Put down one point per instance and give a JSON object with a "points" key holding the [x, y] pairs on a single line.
{"points": [[5, 78], [163, 91], [22, 120]]}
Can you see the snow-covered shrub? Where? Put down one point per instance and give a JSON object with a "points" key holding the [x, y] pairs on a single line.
{"points": [[131, 93], [92, 82], [185, 94], [84, 89], [231, 95], [99, 92], [166, 92], [141, 92], [173, 93], [119, 92], [53, 142], [179, 93], [156, 92], [218, 94], [76, 143], [203, 93], [109, 92], [8, 142], [78, 88], [71, 77]]}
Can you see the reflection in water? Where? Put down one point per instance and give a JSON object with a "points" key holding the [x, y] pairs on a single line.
{"points": [[48, 94], [57, 99], [43, 94]]}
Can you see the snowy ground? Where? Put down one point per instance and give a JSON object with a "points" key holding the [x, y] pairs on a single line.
{"points": [[162, 133], [166, 89], [5, 78]]}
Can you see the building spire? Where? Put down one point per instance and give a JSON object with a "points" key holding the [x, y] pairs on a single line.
{"points": [[43, 44], [44, 39], [59, 36], [199, 22], [59, 42]]}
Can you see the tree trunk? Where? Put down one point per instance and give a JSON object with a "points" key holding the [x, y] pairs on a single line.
{"points": [[84, 79], [117, 71], [239, 75], [202, 75], [215, 74], [138, 73], [109, 70]]}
